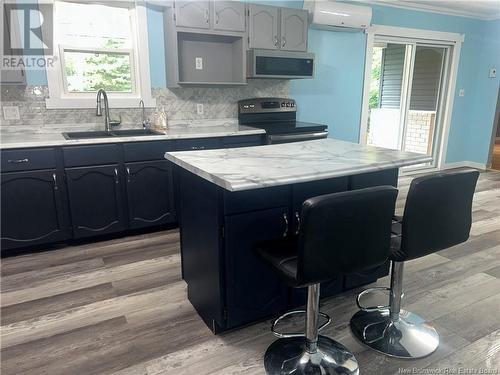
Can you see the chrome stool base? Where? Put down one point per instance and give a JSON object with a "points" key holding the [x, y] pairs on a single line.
{"points": [[408, 337], [289, 356]]}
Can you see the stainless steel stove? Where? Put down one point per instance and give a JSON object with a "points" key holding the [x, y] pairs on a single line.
{"points": [[277, 116]]}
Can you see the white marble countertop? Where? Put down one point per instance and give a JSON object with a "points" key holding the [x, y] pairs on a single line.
{"points": [[237, 169], [23, 140]]}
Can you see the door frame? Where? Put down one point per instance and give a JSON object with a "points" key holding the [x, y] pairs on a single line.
{"points": [[494, 138], [453, 40]]}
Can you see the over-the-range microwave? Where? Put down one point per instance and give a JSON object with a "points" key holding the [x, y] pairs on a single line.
{"points": [[262, 63]]}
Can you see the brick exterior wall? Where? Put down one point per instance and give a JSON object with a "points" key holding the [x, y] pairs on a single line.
{"points": [[420, 129]]}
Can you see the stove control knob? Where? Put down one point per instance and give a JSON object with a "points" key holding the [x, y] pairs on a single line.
{"points": [[282, 104], [288, 104], [252, 105], [245, 106], [292, 104]]}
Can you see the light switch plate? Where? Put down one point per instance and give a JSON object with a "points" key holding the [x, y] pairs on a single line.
{"points": [[11, 112], [199, 63], [461, 92], [493, 72], [199, 108]]}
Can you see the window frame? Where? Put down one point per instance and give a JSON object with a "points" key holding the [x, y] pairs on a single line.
{"points": [[60, 98]]}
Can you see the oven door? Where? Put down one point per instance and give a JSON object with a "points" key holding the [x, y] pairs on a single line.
{"points": [[279, 64], [295, 137]]}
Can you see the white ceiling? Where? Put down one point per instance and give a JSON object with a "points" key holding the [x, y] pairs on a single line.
{"points": [[484, 9]]}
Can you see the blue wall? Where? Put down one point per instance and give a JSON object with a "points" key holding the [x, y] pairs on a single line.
{"points": [[335, 95], [156, 48]]}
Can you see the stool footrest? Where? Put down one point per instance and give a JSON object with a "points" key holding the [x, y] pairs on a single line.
{"points": [[372, 308], [296, 312]]}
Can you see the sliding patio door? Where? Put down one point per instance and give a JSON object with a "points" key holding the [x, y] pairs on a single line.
{"points": [[406, 97]]}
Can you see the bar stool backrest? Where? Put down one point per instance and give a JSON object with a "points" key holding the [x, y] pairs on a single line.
{"points": [[344, 232], [438, 212]]}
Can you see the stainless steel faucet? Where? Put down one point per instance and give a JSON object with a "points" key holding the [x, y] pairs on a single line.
{"points": [[145, 122], [108, 123]]}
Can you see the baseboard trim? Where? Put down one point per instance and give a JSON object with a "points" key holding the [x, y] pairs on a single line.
{"points": [[465, 164]]}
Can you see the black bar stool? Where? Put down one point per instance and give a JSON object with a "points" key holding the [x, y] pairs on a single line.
{"points": [[437, 215], [340, 233]]}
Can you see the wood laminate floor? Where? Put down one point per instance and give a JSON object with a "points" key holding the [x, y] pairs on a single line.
{"points": [[495, 158], [120, 307]]}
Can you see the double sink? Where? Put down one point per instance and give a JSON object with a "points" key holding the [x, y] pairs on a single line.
{"points": [[109, 134]]}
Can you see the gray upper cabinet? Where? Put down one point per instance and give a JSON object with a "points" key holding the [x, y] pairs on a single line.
{"points": [[193, 14], [263, 26], [229, 16], [205, 43], [277, 28], [293, 29]]}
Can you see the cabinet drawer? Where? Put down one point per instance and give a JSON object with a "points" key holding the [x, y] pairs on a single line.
{"points": [[198, 144], [79, 156], [379, 178], [242, 141], [143, 151], [258, 199], [306, 190], [28, 159]]}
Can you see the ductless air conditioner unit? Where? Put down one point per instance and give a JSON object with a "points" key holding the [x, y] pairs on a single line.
{"points": [[333, 15]]}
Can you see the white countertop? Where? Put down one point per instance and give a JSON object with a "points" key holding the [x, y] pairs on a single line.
{"points": [[237, 169], [23, 140]]}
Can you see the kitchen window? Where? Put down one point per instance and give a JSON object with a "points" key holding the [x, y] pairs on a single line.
{"points": [[99, 46]]}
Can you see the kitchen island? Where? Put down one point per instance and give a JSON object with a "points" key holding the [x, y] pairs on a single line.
{"points": [[232, 199]]}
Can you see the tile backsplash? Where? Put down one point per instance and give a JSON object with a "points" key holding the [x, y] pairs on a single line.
{"points": [[180, 104]]}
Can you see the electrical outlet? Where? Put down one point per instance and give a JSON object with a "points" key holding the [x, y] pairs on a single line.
{"points": [[461, 92], [11, 112], [199, 108], [493, 72], [198, 63]]}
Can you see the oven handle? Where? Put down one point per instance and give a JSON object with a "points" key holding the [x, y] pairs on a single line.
{"points": [[296, 137]]}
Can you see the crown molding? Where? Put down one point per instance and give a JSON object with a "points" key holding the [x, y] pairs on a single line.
{"points": [[424, 7]]}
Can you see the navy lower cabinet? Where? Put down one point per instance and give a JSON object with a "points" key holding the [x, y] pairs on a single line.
{"points": [[32, 208], [227, 282], [95, 200], [150, 193], [55, 194], [259, 291]]}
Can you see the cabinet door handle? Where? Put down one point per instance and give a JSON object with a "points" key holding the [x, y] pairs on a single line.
{"points": [[116, 176], [297, 217], [276, 42], [217, 18], [197, 147], [128, 174], [206, 15], [54, 177], [283, 43], [18, 161], [285, 218]]}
